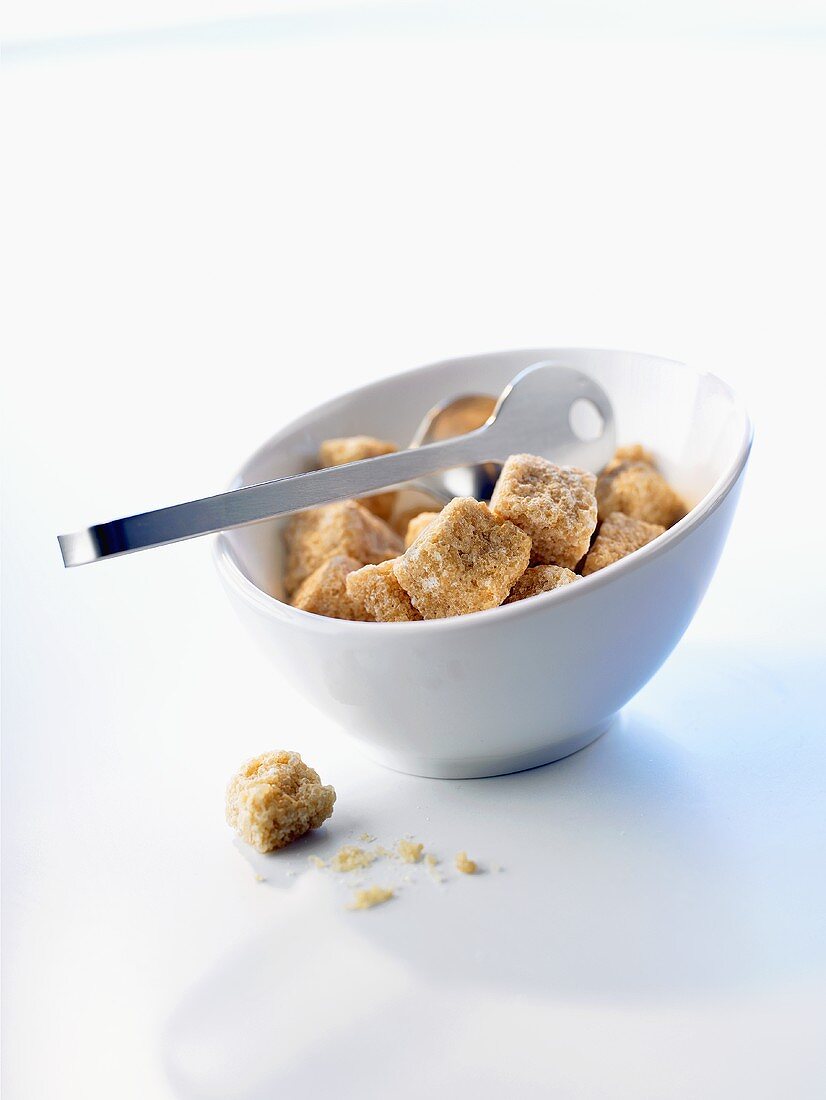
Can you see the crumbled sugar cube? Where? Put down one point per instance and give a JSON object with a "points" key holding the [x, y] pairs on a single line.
{"points": [[554, 505], [369, 897], [409, 852], [366, 838], [465, 865], [313, 537], [417, 525], [632, 484], [540, 578], [375, 589], [325, 592], [619, 536], [315, 861], [466, 560], [351, 858], [276, 798], [338, 452]]}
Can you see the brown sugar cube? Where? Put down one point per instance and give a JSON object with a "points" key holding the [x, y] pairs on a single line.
{"points": [[540, 578], [311, 538], [375, 588], [417, 525], [352, 448], [619, 536], [554, 505], [325, 591], [338, 452], [640, 491], [466, 560], [276, 798], [634, 452]]}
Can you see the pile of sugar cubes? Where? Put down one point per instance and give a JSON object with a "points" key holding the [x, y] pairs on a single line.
{"points": [[372, 560]]}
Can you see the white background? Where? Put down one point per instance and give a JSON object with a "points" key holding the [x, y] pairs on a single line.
{"points": [[210, 226]]}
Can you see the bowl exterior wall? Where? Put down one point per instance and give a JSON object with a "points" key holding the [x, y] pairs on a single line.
{"points": [[498, 693]]}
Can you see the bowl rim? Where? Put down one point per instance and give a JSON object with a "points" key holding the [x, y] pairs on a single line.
{"points": [[236, 580]]}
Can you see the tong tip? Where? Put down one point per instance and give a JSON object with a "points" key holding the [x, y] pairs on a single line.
{"points": [[78, 548]]}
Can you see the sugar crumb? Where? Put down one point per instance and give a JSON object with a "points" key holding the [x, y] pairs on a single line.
{"points": [[351, 858], [367, 899], [366, 838], [432, 864], [314, 861], [465, 865], [408, 851]]}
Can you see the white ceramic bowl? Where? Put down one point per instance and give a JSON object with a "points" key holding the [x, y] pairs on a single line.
{"points": [[521, 685]]}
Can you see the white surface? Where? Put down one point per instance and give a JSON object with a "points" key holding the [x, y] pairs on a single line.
{"points": [[51, 20], [201, 243], [507, 689]]}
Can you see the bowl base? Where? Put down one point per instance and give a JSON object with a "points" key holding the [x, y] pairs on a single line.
{"points": [[482, 767]]}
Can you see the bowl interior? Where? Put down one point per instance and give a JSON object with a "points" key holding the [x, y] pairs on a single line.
{"points": [[691, 421]]}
